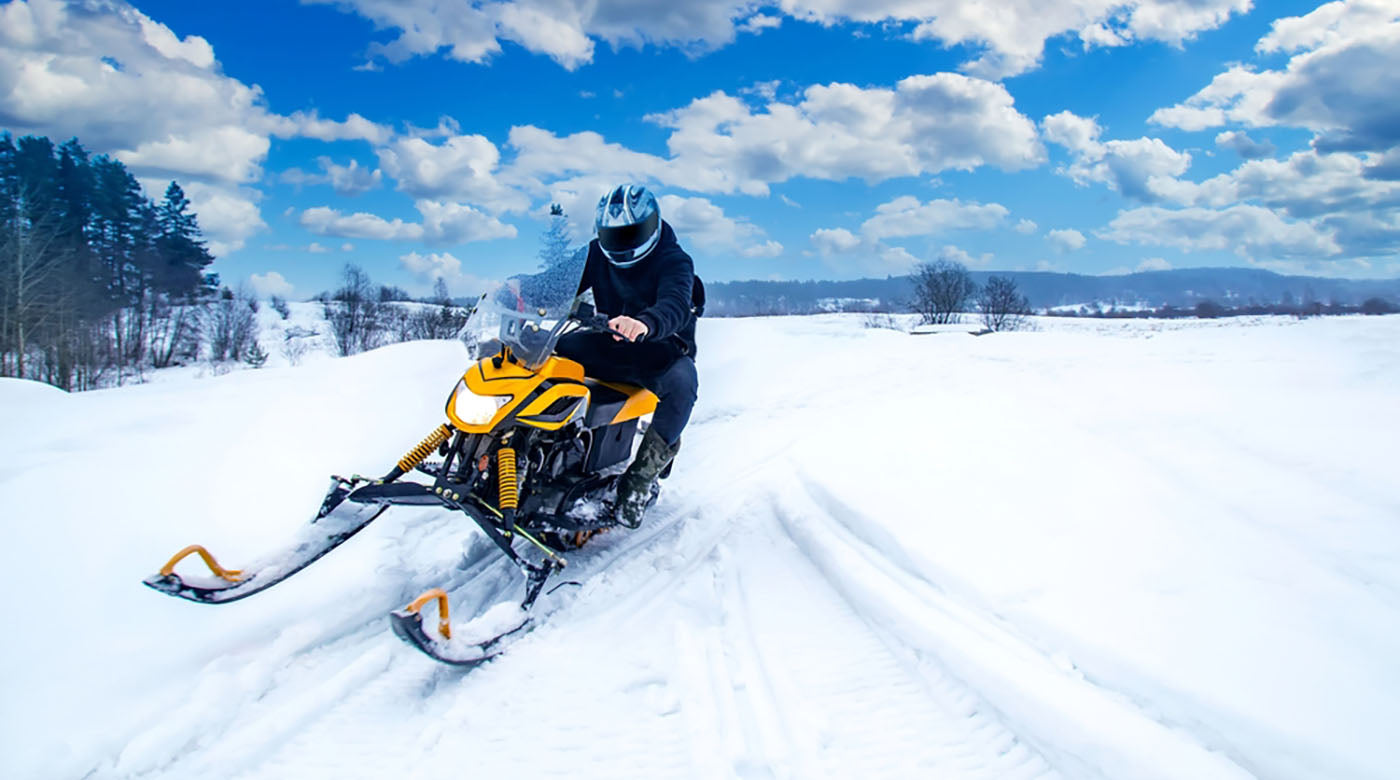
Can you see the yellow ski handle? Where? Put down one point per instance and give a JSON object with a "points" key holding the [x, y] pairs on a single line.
{"points": [[229, 575], [441, 596]]}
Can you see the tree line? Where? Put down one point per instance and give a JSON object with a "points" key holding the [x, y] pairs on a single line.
{"points": [[97, 282]]}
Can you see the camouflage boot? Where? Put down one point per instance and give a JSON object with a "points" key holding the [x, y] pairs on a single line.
{"points": [[637, 485]]}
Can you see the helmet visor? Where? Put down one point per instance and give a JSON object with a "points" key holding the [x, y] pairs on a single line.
{"points": [[628, 238]]}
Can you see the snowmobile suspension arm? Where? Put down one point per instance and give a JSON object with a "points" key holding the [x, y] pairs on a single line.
{"points": [[228, 575]]}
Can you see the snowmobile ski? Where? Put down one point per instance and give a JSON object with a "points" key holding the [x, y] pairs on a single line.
{"points": [[483, 637], [337, 521]]}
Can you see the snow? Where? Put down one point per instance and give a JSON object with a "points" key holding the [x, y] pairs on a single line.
{"points": [[1100, 549]]}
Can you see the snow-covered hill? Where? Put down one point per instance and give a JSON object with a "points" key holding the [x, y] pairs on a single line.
{"points": [[1109, 549]]}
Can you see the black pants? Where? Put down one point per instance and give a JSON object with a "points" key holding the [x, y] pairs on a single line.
{"points": [[653, 366]]}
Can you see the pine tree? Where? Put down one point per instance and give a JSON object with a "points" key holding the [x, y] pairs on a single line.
{"points": [[256, 356], [554, 251], [186, 256]]}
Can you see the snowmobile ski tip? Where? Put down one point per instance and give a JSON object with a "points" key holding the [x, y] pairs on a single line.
{"points": [[337, 521]]}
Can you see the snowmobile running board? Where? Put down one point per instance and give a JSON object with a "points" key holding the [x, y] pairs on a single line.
{"points": [[336, 522]]}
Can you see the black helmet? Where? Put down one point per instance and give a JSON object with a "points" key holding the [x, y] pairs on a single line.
{"points": [[628, 224]]}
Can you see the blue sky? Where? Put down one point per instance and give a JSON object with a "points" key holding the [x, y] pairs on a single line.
{"points": [[806, 139]]}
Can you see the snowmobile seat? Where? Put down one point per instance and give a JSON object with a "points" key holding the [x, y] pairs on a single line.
{"points": [[604, 403], [606, 399]]}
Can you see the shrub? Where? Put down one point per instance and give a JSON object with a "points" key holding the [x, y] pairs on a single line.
{"points": [[1378, 306], [1003, 306]]}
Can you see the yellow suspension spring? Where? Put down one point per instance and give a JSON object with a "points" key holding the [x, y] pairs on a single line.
{"points": [[510, 496], [424, 448]]}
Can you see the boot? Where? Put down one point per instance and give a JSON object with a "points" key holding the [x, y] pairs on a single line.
{"points": [[637, 485]]}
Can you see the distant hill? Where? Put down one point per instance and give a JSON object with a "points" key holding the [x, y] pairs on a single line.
{"points": [[1150, 289]]}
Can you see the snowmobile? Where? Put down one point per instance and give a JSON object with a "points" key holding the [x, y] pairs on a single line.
{"points": [[530, 454]]}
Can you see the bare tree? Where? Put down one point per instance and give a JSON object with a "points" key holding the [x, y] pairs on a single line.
{"points": [[231, 325], [354, 312], [172, 328], [1003, 306], [941, 290]]}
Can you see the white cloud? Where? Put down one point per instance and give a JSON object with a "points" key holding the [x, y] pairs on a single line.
{"points": [[347, 247], [1026, 227], [564, 30], [704, 222], [906, 216], [326, 221], [1143, 169], [720, 144], [443, 224], [1154, 264], [311, 125], [924, 125], [317, 249], [833, 241], [462, 167], [842, 248], [348, 180], [1349, 200], [540, 155], [1330, 23], [1338, 83], [1336, 193], [768, 248], [1010, 34], [955, 254], [432, 266], [893, 260], [766, 90], [1245, 146], [1066, 240], [1249, 231], [270, 284], [447, 267], [760, 22]]}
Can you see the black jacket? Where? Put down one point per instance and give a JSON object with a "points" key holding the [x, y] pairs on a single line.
{"points": [[658, 291]]}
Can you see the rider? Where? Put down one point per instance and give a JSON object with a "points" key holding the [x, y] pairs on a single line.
{"points": [[643, 280]]}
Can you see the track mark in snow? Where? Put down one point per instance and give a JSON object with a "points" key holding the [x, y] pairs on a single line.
{"points": [[781, 679], [1083, 729]]}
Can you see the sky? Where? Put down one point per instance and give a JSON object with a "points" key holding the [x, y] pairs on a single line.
{"points": [[804, 139]]}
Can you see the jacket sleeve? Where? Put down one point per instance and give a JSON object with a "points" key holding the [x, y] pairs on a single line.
{"points": [[671, 311]]}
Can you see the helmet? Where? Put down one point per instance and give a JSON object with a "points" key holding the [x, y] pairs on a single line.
{"points": [[628, 224]]}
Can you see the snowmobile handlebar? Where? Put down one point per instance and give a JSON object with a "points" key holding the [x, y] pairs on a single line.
{"points": [[597, 322]]}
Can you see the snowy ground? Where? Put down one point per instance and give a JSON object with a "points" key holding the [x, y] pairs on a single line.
{"points": [[1122, 549]]}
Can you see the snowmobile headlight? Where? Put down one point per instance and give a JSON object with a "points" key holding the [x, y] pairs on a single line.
{"points": [[474, 409]]}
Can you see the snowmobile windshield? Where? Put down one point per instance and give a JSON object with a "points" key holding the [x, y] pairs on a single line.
{"points": [[528, 314]]}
